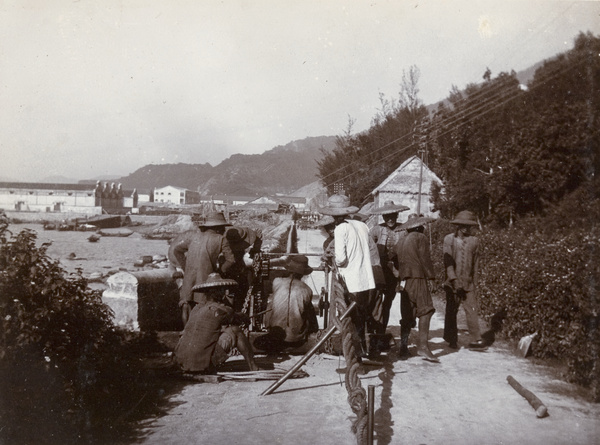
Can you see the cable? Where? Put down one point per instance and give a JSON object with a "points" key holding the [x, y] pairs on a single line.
{"points": [[479, 109]]}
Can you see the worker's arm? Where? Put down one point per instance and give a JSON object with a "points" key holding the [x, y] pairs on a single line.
{"points": [[227, 259], [178, 249]]}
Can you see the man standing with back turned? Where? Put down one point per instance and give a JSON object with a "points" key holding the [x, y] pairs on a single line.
{"points": [[352, 258], [199, 255], [416, 268]]}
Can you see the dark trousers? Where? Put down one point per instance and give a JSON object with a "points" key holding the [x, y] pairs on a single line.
{"points": [[471, 306], [360, 315], [389, 293], [408, 321]]}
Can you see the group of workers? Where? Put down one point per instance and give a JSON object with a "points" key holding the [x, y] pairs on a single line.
{"points": [[213, 267], [394, 258]]}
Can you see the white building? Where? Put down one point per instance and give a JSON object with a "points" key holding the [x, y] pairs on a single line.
{"points": [[176, 195], [85, 198]]}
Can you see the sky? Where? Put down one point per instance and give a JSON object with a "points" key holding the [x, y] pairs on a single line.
{"points": [[101, 88]]}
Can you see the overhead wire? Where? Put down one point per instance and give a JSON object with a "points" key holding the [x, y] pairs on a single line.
{"points": [[462, 115], [470, 98]]}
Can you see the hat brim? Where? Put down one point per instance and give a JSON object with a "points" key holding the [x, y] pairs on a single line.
{"points": [[464, 222], [417, 222], [301, 270], [324, 223], [214, 224], [386, 210], [338, 211], [224, 283]]}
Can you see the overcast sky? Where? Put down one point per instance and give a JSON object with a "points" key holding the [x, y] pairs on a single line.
{"points": [[93, 88]]}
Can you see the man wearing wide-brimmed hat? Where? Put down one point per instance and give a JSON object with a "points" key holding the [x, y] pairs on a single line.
{"points": [[211, 332], [461, 262], [415, 268], [386, 235], [199, 254], [352, 258], [291, 315]]}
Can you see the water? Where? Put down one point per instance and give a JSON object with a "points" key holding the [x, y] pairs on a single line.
{"points": [[74, 251]]}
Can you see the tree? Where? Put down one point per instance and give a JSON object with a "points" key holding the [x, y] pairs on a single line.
{"points": [[362, 161]]}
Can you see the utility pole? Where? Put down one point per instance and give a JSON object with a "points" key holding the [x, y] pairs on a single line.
{"points": [[421, 151]]}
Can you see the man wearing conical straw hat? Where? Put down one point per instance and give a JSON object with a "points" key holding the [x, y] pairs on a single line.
{"points": [[461, 261], [291, 315], [212, 330], [198, 255], [386, 235], [352, 258], [416, 269]]}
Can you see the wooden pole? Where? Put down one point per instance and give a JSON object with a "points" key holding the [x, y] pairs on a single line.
{"points": [[308, 355], [538, 406], [371, 413], [420, 184]]}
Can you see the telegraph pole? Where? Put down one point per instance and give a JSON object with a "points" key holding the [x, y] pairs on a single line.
{"points": [[422, 148], [421, 151]]}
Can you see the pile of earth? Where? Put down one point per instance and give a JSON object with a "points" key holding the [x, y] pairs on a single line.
{"points": [[273, 229]]}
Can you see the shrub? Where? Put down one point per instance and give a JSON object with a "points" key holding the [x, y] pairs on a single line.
{"points": [[546, 272], [549, 283], [68, 374]]}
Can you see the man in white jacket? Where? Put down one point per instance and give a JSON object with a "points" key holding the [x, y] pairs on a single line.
{"points": [[352, 258]]}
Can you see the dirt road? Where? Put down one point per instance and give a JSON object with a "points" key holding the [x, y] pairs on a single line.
{"points": [[463, 400]]}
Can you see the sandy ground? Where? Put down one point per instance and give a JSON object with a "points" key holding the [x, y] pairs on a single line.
{"points": [[463, 400]]}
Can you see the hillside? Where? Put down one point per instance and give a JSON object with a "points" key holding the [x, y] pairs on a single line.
{"points": [[282, 169]]}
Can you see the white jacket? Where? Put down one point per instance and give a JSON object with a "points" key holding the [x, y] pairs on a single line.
{"points": [[352, 255]]}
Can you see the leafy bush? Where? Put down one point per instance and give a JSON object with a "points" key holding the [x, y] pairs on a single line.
{"points": [[68, 374], [549, 281], [546, 272]]}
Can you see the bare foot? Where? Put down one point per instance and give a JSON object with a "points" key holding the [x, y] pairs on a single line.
{"points": [[427, 355]]}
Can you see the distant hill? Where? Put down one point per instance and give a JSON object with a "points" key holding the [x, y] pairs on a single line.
{"points": [[58, 180], [282, 169], [188, 176], [106, 178]]}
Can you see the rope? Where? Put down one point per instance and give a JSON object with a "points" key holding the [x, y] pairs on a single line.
{"points": [[357, 397]]}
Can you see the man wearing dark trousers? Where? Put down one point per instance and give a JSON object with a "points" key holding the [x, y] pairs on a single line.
{"points": [[415, 268], [461, 262]]}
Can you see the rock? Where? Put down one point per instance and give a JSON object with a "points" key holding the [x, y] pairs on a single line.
{"points": [[95, 276]]}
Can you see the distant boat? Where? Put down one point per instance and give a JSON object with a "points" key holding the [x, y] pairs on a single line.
{"points": [[86, 228], [67, 225], [106, 221], [115, 232]]}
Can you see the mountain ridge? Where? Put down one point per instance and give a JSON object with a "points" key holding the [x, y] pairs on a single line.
{"points": [[280, 170]]}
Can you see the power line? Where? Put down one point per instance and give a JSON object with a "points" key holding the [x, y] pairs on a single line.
{"points": [[471, 110]]}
